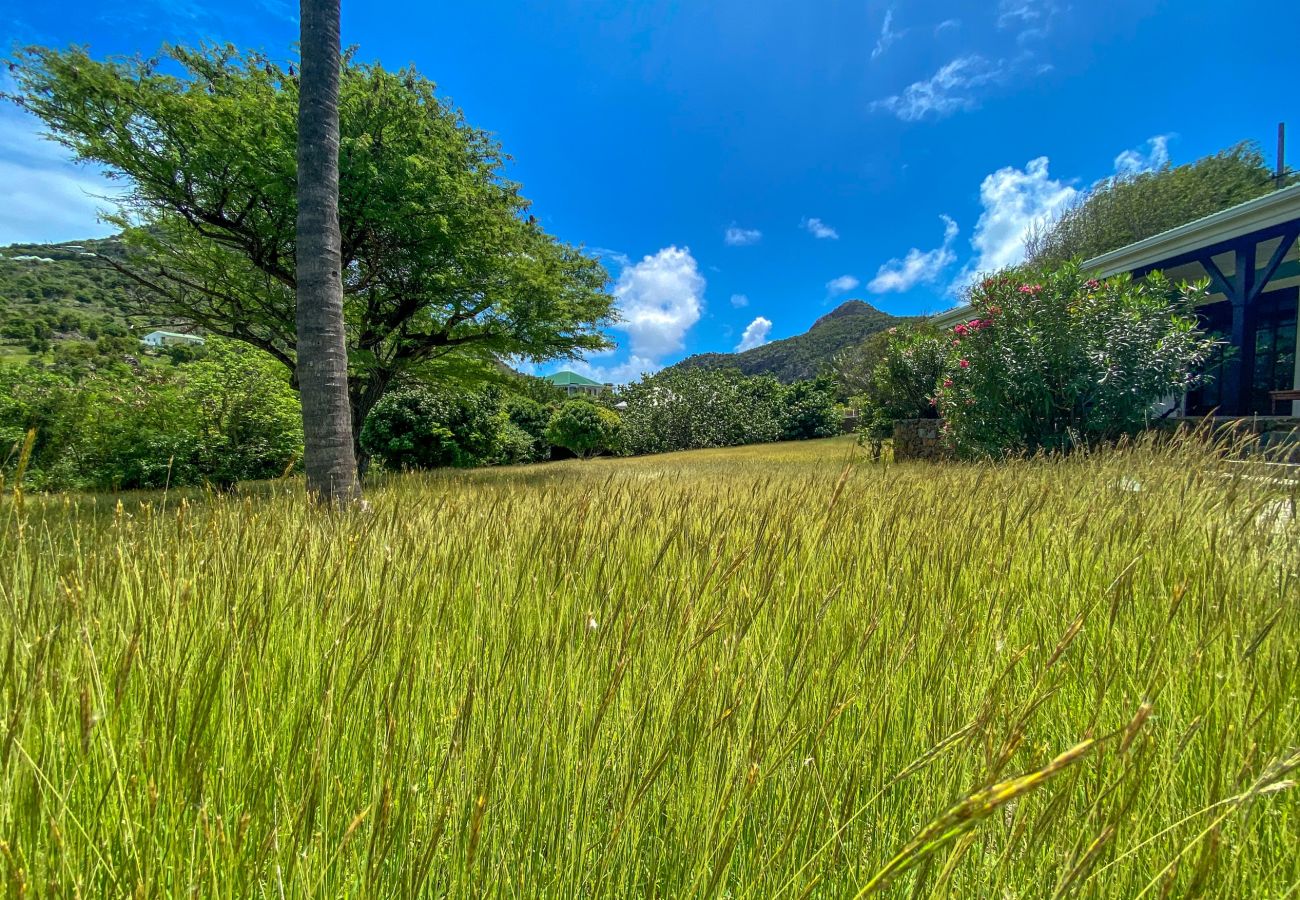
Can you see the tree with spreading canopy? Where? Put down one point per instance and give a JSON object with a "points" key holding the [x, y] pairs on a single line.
{"points": [[1121, 210], [444, 270]]}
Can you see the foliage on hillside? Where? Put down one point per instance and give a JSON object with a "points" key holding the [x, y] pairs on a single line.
{"points": [[1128, 208], [55, 292], [805, 355]]}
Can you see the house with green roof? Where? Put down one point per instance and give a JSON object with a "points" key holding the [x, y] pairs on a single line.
{"points": [[574, 384]]}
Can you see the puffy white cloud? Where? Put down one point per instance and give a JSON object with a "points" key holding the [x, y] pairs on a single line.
{"points": [[618, 373], [951, 89], [1014, 201], [735, 236], [887, 35], [755, 334], [918, 266], [739, 301], [1135, 162], [820, 230], [659, 299], [841, 285]]}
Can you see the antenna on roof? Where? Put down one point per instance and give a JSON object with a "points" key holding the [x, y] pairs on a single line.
{"points": [[1280, 177]]}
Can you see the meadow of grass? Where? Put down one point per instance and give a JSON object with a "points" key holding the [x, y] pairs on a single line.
{"points": [[773, 671]]}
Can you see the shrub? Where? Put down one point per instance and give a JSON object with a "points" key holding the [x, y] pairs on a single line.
{"points": [[525, 418], [683, 409], [903, 379], [418, 427], [102, 424], [1060, 359], [808, 410], [515, 446], [584, 428]]}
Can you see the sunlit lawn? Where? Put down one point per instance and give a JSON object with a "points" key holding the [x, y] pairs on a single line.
{"points": [[768, 671]]}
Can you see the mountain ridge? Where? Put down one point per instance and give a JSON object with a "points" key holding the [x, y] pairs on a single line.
{"points": [[804, 355]]}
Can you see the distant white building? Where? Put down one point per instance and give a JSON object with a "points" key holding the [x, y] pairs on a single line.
{"points": [[169, 338]]}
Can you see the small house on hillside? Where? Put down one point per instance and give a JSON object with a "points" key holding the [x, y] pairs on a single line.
{"points": [[159, 339], [1251, 255], [574, 384]]}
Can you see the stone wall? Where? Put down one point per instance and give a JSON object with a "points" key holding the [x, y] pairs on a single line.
{"points": [[918, 439]]}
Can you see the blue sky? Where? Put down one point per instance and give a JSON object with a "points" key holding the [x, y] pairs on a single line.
{"points": [[744, 165]]}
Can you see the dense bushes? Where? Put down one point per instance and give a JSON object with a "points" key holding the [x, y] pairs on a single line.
{"points": [[1061, 359], [901, 381], [583, 428], [102, 423], [108, 416], [423, 428], [686, 409], [1048, 360]]}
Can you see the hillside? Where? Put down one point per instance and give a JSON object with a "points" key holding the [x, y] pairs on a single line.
{"points": [[804, 355], [52, 292]]}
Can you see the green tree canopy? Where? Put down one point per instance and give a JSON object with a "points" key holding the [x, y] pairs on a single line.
{"points": [[584, 428], [442, 264], [1128, 208]]}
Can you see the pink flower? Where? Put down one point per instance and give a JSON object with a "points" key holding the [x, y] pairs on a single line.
{"points": [[1030, 288], [956, 343], [962, 330], [947, 382], [1093, 284], [965, 363]]}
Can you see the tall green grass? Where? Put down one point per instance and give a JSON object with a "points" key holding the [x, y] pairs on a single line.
{"points": [[765, 672]]}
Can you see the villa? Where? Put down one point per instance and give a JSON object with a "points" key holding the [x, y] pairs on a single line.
{"points": [[574, 384], [169, 338], [1251, 256]]}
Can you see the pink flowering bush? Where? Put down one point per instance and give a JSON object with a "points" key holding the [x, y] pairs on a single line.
{"points": [[1059, 359]]}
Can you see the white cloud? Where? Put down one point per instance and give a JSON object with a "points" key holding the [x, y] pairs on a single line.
{"points": [[951, 89], [1135, 162], [619, 373], [659, 299], [1014, 201], [735, 236], [44, 195], [918, 266], [820, 230], [947, 25], [1021, 13], [739, 301], [887, 35], [841, 285], [755, 335], [1031, 19]]}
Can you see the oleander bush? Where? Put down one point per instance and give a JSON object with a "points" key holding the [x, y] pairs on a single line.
{"points": [[1056, 359]]}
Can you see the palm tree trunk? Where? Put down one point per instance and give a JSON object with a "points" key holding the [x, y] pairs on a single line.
{"points": [[322, 366]]}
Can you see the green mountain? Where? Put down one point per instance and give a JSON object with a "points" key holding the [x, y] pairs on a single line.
{"points": [[55, 292], [804, 355]]}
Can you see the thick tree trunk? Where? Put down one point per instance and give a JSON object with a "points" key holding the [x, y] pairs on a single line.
{"points": [[322, 365]]}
